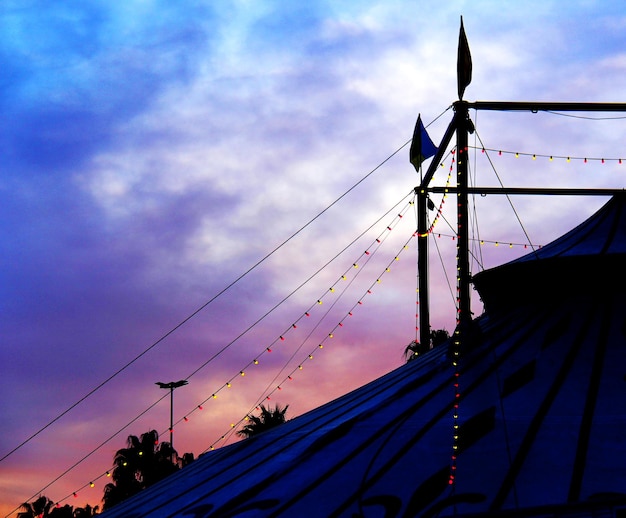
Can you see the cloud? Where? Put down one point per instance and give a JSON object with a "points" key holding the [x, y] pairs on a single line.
{"points": [[154, 152]]}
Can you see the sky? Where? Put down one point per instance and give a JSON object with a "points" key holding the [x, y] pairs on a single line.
{"points": [[181, 183]]}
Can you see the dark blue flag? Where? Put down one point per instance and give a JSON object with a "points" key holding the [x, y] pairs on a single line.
{"points": [[422, 146]]}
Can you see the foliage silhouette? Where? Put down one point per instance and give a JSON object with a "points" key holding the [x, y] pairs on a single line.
{"points": [[142, 463], [415, 349], [43, 507], [39, 508], [269, 418]]}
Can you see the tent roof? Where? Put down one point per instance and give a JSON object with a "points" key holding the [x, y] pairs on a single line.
{"points": [[542, 416], [603, 233], [587, 258]]}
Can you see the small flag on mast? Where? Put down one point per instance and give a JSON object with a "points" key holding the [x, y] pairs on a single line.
{"points": [[464, 62], [422, 146]]}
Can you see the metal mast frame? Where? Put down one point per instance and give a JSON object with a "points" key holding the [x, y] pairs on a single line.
{"points": [[462, 126]]}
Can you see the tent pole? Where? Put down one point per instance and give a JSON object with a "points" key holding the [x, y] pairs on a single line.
{"points": [[422, 268], [421, 193], [463, 271]]}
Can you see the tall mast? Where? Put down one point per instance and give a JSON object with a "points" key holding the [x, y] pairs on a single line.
{"points": [[461, 125], [464, 125], [422, 266]]}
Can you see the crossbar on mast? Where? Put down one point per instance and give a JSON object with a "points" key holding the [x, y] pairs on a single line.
{"points": [[525, 190], [533, 106]]}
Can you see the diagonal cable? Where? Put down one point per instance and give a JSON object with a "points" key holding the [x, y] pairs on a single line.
{"points": [[507, 196], [199, 309]]}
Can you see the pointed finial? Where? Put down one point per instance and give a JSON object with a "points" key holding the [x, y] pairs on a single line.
{"points": [[464, 63]]}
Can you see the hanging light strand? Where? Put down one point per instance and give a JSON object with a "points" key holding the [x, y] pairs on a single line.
{"points": [[360, 261], [430, 230], [363, 258], [329, 336], [482, 242], [535, 156], [108, 472]]}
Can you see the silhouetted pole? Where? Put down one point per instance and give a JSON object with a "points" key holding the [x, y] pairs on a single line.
{"points": [[421, 193], [171, 386], [422, 267], [464, 125]]}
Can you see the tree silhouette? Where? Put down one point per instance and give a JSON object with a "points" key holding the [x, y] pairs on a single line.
{"points": [[438, 337], [415, 349], [43, 507], [62, 512], [143, 462], [269, 418], [40, 508], [85, 512]]}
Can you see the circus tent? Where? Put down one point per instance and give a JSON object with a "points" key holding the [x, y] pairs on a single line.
{"points": [[541, 413]]}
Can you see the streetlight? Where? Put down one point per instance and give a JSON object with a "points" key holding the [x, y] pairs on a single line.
{"points": [[172, 385]]}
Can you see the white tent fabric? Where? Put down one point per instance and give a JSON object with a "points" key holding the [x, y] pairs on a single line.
{"points": [[542, 414]]}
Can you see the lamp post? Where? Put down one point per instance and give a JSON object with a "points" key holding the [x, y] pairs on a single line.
{"points": [[171, 386]]}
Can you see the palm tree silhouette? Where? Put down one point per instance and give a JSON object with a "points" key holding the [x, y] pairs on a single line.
{"points": [[143, 462], [269, 418], [40, 508], [43, 507]]}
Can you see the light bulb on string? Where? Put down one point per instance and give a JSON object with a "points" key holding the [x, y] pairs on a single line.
{"points": [[340, 324]]}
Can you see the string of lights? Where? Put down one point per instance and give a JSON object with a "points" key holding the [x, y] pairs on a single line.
{"points": [[201, 307], [456, 344], [361, 261], [293, 292], [267, 393], [535, 156], [438, 215], [372, 249], [330, 335], [282, 337], [482, 242]]}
